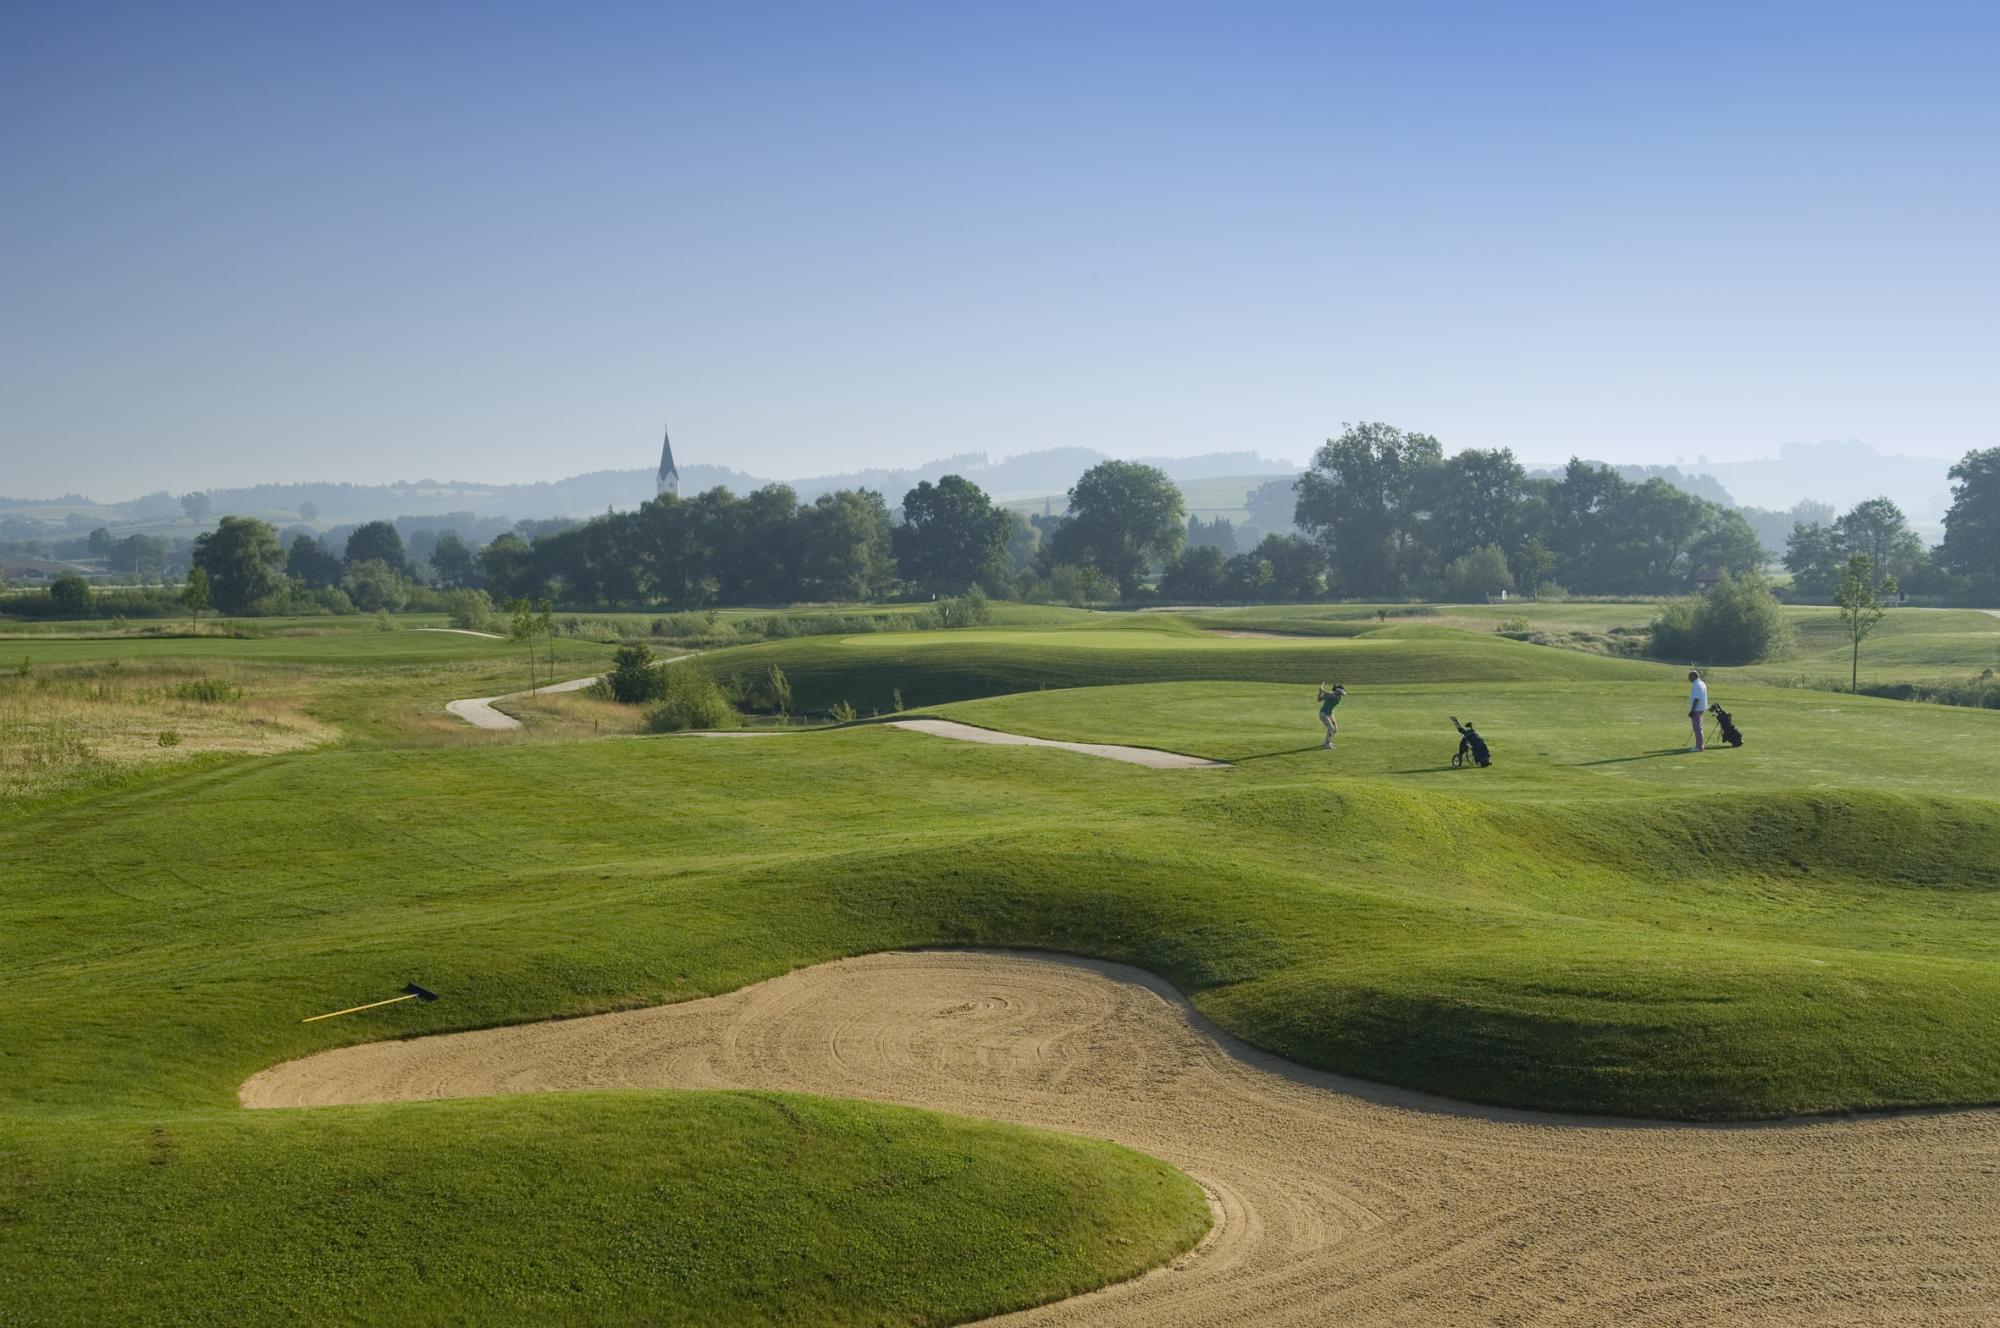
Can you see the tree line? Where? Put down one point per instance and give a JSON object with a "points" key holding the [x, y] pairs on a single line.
{"points": [[1381, 514], [1963, 568]]}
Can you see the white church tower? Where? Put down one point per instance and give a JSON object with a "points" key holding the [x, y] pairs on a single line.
{"points": [[670, 475]]}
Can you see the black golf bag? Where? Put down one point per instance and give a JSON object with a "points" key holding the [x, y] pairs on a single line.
{"points": [[1471, 747], [1730, 733]]}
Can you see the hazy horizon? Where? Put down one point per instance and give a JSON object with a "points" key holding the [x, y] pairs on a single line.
{"points": [[552, 473], [497, 245]]}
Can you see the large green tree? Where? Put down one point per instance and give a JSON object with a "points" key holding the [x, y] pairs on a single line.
{"points": [[507, 567], [952, 536], [243, 560], [376, 542], [1196, 576], [846, 547], [1478, 504], [310, 563], [453, 563], [1813, 557], [1877, 529], [141, 554], [1272, 506], [1972, 527], [1123, 517], [1363, 500], [1820, 556]]}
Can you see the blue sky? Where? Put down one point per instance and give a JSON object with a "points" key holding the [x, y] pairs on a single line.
{"points": [[271, 242]]}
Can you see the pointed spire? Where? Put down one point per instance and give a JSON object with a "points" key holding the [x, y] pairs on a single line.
{"points": [[670, 475]]}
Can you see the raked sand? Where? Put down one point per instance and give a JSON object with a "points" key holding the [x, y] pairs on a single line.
{"points": [[1338, 1202]]}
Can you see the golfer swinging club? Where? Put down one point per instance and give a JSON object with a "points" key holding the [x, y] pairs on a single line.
{"points": [[1329, 697], [1697, 707]]}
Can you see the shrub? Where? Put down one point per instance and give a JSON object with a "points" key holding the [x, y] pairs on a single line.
{"points": [[1551, 592], [334, 600], [1513, 627], [689, 700], [423, 599], [470, 610], [169, 738], [1981, 693], [778, 691], [1196, 576], [1478, 574], [1739, 621], [842, 712], [633, 679], [71, 596], [1079, 586], [374, 585], [155, 602]]}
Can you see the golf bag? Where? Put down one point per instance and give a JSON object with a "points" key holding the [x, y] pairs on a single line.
{"points": [[1730, 733], [1471, 747]]}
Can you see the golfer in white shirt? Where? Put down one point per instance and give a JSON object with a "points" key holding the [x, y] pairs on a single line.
{"points": [[1697, 706]]}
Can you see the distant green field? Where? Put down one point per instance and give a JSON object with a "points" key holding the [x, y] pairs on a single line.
{"points": [[1206, 498], [1910, 644], [307, 647]]}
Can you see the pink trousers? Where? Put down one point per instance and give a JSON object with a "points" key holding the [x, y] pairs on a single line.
{"points": [[1696, 716]]}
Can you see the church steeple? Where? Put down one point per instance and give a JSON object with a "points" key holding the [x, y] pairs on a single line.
{"points": [[670, 475]]}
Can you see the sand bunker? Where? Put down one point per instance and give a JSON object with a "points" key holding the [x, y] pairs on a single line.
{"points": [[1339, 1202], [1146, 756]]}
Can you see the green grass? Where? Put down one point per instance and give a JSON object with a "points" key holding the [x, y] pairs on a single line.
{"points": [[132, 1189], [932, 668], [1438, 894], [1601, 923], [1579, 739], [1910, 644], [685, 1208]]}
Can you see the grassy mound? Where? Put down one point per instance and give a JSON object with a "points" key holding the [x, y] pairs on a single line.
{"points": [[602, 1208], [933, 668], [1725, 943]]}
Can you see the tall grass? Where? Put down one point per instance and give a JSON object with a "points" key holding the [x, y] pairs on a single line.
{"points": [[60, 726]]}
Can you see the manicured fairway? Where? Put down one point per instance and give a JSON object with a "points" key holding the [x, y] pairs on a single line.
{"points": [[1574, 739], [1600, 923]]}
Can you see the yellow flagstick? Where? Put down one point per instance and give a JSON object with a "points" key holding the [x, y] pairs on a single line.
{"points": [[355, 1008], [410, 993]]}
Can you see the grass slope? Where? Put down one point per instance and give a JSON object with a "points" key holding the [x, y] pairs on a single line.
{"points": [[1719, 951], [933, 668], [611, 1208]]}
